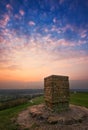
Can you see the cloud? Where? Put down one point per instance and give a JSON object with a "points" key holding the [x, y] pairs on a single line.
{"points": [[5, 57], [55, 29], [83, 33], [49, 46], [17, 16], [1, 39], [15, 48], [31, 23], [61, 2], [38, 56], [46, 30], [68, 26], [9, 67], [4, 21], [13, 67], [81, 42], [9, 7], [54, 20], [21, 12], [53, 48], [62, 29], [65, 43]]}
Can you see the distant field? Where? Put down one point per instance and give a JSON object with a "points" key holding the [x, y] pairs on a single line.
{"points": [[7, 116]]}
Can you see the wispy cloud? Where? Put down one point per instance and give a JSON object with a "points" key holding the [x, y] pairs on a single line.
{"points": [[31, 23], [21, 12], [17, 16], [4, 21], [37, 53], [39, 44], [43, 38], [9, 7], [61, 1], [54, 20], [13, 67], [83, 33]]}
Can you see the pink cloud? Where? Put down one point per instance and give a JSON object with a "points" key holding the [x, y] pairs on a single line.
{"points": [[4, 21], [13, 67], [21, 12], [8, 36], [17, 16], [31, 23], [8, 66], [8, 6], [1, 39], [81, 42], [64, 28], [6, 18], [63, 42], [58, 30], [68, 26], [54, 28], [83, 33], [49, 44], [46, 30]]}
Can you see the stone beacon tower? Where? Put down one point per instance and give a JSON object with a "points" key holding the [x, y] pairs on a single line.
{"points": [[56, 92]]}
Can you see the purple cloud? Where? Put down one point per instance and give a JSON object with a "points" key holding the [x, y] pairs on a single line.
{"points": [[9, 7]]}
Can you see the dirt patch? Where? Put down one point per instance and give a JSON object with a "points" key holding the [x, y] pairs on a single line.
{"points": [[38, 117]]}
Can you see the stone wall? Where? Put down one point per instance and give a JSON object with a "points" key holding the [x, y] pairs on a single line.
{"points": [[56, 92]]}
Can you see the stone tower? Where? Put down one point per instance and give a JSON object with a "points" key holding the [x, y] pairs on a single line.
{"points": [[56, 92]]}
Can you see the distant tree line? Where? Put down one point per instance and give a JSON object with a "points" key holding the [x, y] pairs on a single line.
{"points": [[13, 103], [18, 101]]}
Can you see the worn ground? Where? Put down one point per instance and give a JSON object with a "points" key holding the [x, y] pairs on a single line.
{"points": [[39, 118]]}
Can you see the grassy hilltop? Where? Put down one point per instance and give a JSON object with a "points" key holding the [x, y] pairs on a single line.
{"points": [[7, 116]]}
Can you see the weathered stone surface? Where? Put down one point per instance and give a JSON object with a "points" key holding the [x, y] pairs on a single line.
{"points": [[36, 111], [74, 115], [56, 92], [52, 120], [76, 118]]}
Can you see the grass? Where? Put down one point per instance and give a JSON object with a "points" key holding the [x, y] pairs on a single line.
{"points": [[79, 98], [7, 115]]}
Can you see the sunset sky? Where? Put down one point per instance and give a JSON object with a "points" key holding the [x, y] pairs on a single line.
{"points": [[43, 37]]}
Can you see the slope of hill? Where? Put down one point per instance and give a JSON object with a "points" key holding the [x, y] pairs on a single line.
{"points": [[8, 116]]}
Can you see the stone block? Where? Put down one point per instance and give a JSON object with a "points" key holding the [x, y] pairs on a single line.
{"points": [[56, 92]]}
